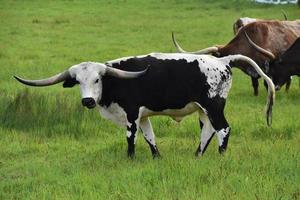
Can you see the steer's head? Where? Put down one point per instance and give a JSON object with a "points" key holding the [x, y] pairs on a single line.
{"points": [[89, 77]]}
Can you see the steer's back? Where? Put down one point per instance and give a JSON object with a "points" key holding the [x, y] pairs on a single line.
{"points": [[171, 82]]}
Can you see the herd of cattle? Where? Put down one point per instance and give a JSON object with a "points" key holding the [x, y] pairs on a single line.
{"points": [[264, 41], [131, 89]]}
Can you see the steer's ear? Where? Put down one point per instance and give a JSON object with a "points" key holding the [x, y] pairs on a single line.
{"points": [[70, 82]]}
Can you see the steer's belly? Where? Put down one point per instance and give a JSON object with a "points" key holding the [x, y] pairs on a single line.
{"points": [[176, 114], [118, 115]]}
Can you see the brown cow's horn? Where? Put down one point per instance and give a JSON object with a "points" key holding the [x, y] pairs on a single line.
{"points": [[208, 50], [284, 15], [123, 74], [260, 49], [46, 82]]}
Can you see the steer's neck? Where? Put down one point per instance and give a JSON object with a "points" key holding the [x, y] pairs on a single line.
{"points": [[294, 69]]}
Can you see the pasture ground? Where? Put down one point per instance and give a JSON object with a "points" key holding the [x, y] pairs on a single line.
{"points": [[53, 148]]}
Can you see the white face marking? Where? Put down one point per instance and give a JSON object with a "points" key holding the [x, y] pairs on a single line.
{"points": [[89, 75]]}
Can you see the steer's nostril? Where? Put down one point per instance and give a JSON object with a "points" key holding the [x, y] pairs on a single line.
{"points": [[89, 102]]}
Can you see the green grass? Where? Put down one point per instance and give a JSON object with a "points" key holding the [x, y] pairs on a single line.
{"points": [[53, 148]]}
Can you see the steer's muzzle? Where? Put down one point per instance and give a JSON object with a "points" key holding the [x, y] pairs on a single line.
{"points": [[88, 102]]}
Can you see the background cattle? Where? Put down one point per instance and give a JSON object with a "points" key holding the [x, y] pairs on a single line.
{"points": [[243, 21], [273, 35], [286, 65]]}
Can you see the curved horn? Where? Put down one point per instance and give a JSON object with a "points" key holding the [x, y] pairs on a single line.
{"points": [[260, 49], [208, 50], [284, 15], [123, 74], [46, 82]]}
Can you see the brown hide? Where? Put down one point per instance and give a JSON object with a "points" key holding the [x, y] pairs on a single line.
{"points": [[272, 35]]}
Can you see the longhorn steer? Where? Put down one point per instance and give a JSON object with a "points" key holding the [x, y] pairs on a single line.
{"points": [[275, 36], [165, 84]]}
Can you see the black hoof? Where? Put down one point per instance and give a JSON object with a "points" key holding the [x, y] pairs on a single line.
{"points": [[222, 150], [156, 155], [130, 155], [198, 154]]}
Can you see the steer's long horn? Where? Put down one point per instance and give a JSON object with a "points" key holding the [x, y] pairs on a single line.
{"points": [[123, 74], [208, 50], [260, 49], [46, 82]]}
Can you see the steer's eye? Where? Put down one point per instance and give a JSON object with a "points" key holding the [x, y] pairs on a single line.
{"points": [[97, 80]]}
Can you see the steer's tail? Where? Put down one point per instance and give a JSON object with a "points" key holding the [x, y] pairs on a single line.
{"points": [[271, 87]]}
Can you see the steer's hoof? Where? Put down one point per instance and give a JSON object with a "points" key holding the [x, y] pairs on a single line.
{"points": [[222, 150], [198, 154], [131, 155], [156, 155]]}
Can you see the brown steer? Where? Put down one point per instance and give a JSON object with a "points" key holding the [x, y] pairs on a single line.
{"points": [[272, 35]]}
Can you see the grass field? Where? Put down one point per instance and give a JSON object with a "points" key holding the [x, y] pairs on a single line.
{"points": [[53, 148]]}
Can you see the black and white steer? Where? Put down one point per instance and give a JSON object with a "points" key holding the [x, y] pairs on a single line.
{"points": [[129, 90]]}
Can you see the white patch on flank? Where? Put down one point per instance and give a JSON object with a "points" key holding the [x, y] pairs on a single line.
{"points": [[210, 66]]}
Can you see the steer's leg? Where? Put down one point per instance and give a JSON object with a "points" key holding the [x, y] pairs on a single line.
{"points": [[132, 136], [288, 84], [215, 112], [255, 85], [207, 132], [222, 130], [149, 136]]}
